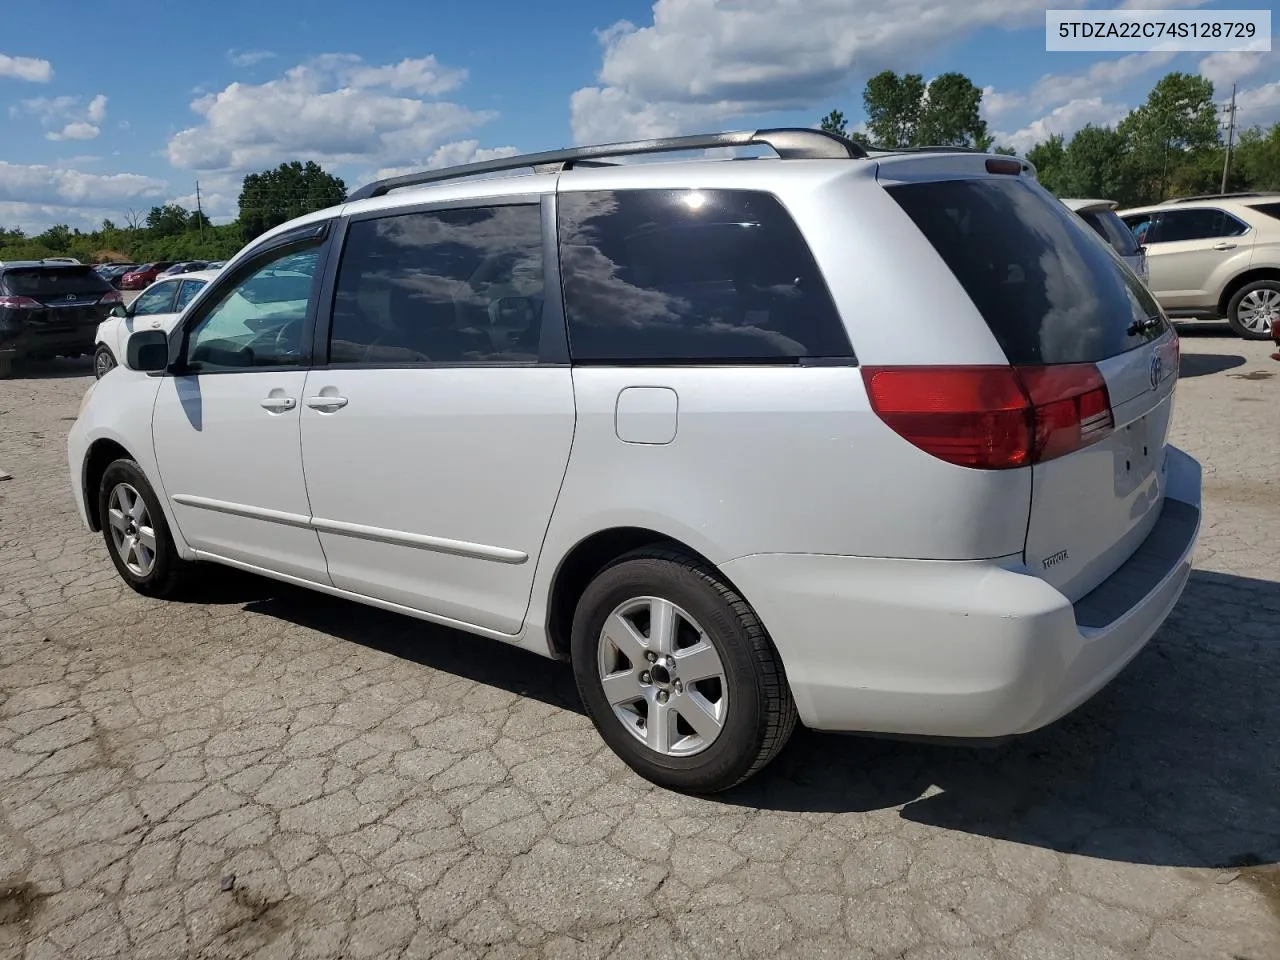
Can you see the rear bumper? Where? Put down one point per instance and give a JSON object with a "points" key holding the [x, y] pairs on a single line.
{"points": [[28, 342], [963, 649]]}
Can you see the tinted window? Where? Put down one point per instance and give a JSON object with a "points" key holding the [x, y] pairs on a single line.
{"points": [[446, 286], [258, 319], [188, 292], [1139, 225], [41, 283], [691, 275], [1197, 225], [1270, 209], [1112, 229], [156, 299], [1048, 292]]}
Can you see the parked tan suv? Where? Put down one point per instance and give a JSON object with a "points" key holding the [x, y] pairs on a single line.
{"points": [[1214, 257]]}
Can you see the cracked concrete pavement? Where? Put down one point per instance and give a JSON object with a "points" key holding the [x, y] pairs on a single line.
{"points": [[274, 774]]}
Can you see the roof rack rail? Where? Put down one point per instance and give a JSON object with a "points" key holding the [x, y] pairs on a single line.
{"points": [[1220, 196], [790, 143]]}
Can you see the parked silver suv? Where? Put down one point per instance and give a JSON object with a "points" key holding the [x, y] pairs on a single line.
{"points": [[877, 442], [1215, 257]]}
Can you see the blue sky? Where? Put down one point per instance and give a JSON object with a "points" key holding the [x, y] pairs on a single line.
{"points": [[103, 110]]}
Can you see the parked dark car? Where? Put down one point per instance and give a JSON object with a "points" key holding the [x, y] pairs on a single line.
{"points": [[145, 275], [113, 273], [184, 266], [50, 309]]}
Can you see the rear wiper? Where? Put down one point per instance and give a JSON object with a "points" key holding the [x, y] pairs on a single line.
{"points": [[1142, 326]]}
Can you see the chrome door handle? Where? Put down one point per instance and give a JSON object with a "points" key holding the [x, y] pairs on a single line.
{"points": [[1224, 246], [278, 404], [326, 403]]}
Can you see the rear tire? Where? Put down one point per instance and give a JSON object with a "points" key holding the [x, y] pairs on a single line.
{"points": [[699, 711], [1255, 309], [103, 361], [137, 533]]}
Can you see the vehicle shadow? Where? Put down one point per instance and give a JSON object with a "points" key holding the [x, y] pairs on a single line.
{"points": [[1204, 328], [1203, 364], [1176, 763], [479, 659], [60, 368]]}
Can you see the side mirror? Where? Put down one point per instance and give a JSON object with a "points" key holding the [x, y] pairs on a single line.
{"points": [[120, 310], [148, 351]]}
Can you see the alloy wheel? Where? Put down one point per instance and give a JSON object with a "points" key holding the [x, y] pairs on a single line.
{"points": [[663, 677], [132, 532]]}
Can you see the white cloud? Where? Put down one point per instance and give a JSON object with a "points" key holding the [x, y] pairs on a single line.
{"points": [[335, 109], [702, 61], [248, 58], [1259, 105], [1100, 79], [996, 104], [97, 111], [64, 118], [1225, 68], [77, 130], [55, 186], [1160, 4], [449, 155], [1066, 120], [26, 68]]}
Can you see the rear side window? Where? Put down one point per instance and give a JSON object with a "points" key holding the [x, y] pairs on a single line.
{"points": [[1113, 230], [670, 276], [43, 282], [445, 286], [1270, 209], [1203, 224], [1048, 292]]}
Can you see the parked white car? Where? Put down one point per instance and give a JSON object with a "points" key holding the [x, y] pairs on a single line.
{"points": [[674, 423], [1215, 256], [157, 308], [1102, 218]]}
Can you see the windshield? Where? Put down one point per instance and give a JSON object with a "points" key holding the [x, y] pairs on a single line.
{"points": [[1111, 228]]}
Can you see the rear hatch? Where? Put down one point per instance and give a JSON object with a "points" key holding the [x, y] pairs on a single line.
{"points": [[1092, 349], [67, 297]]}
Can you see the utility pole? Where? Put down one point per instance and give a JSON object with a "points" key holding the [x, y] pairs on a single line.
{"points": [[1231, 134], [200, 211]]}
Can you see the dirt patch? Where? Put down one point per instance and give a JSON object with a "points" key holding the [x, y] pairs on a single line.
{"points": [[19, 902]]}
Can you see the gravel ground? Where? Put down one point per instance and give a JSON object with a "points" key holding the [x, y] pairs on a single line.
{"points": [[271, 773]]}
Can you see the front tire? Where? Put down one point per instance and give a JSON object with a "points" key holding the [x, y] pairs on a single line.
{"points": [[137, 533], [1255, 309], [678, 674], [103, 361]]}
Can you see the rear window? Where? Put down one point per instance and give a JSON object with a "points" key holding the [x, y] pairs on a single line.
{"points": [[672, 276], [42, 282], [1112, 229], [1048, 292]]}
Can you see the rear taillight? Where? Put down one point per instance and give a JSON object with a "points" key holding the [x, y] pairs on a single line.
{"points": [[993, 418], [19, 303], [112, 297]]}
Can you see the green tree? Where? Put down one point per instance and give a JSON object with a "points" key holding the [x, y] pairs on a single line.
{"points": [[169, 220], [834, 122], [1178, 118], [1256, 160], [1050, 159], [1096, 163], [273, 197], [57, 238], [893, 104], [950, 114]]}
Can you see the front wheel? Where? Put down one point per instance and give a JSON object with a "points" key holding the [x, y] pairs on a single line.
{"points": [[137, 533], [103, 361], [678, 674], [1255, 310]]}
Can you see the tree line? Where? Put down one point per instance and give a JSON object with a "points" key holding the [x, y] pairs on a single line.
{"points": [[172, 232], [1172, 145]]}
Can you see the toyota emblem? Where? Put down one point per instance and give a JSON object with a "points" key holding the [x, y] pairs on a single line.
{"points": [[1157, 368]]}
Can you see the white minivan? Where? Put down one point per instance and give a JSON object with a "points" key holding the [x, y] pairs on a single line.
{"points": [[873, 441]]}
